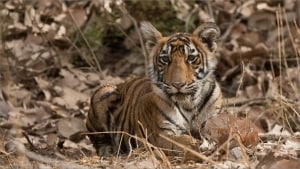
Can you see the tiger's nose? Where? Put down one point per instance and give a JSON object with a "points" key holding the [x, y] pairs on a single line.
{"points": [[178, 85]]}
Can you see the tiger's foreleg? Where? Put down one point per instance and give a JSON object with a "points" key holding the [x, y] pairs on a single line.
{"points": [[103, 103]]}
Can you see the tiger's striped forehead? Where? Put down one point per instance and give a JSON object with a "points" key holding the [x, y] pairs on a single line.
{"points": [[179, 42]]}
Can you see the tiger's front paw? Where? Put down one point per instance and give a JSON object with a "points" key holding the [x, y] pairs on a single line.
{"points": [[190, 141], [182, 142]]}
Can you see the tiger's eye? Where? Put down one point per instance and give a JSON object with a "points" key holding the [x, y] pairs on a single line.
{"points": [[164, 59], [191, 58]]}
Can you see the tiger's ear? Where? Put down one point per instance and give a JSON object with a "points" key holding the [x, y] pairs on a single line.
{"points": [[208, 33], [150, 34]]}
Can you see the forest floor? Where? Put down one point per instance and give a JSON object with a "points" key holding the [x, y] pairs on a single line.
{"points": [[54, 54]]}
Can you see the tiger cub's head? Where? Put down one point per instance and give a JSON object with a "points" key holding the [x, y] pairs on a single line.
{"points": [[181, 63]]}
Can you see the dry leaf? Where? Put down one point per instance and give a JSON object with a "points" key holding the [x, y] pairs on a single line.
{"points": [[71, 98], [66, 127], [51, 139], [272, 161], [289, 164], [69, 79], [79, 15], [4, 107], [70, 144], [221, 126], [262, 21]]}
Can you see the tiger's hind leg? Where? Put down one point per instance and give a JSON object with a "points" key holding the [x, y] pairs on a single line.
{"points": [[103, 104]]}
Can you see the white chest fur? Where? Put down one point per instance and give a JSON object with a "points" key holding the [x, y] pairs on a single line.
{"points": [[176, 121]]}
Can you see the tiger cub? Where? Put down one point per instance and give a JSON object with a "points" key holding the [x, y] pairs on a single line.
{"points": [[175, 99]]}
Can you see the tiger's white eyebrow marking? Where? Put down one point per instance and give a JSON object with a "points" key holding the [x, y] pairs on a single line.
{"points": [[192, 49], [186, 50], [166, 50]]}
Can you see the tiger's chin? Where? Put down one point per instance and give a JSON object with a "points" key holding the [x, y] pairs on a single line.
{"points": [[181, 98]]}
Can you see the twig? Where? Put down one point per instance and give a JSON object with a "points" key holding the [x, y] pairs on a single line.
{"points": [[136, 27], [234, 21], [5, 76], [297, 7], [237, 138], [130, 39], [210, 10], [28, 140], [88, 61], [228, 30], [223, 145], [88, 45], [188, 18], [5, 80], [236, 102], [295, 52], [264, 137]]}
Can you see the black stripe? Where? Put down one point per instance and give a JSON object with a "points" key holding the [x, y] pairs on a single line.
{"points": [[108, 117], [204, 75], [93, 118], [91, 102], [206, 65], [117, 115], [144, 122], [129, 106], [208, 95], [136, 95], [172, 39], [106, 95], [206, 98], [204, 60], [114, 102], [202, 68], [159, 76], [89, 124], [164, 128], [185, 40], [132, 120], [109, 112], [94, 123], [188, 110], [110, 108], [179, 36], [122, 141], [122, 115], [185, 118], [121, 112], [94, 113], [147, 123], [168, 118]]}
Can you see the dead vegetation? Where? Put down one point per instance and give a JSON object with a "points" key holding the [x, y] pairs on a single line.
{"points": [[54, 54]]}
